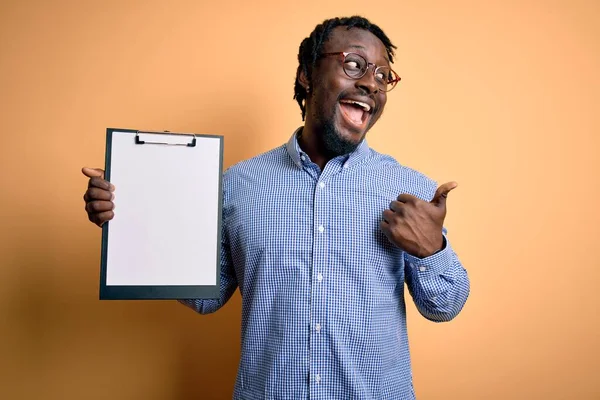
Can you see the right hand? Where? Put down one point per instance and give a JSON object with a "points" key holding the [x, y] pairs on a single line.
{"points": [[98, 197]]}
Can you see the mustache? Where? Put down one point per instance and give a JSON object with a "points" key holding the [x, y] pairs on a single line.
{"points": [[359, 92]]}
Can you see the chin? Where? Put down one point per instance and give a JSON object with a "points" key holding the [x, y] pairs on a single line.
{"points": [[337, 142]]}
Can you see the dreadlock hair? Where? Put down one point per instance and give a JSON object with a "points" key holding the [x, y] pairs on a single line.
{"points": [[311, 48]]}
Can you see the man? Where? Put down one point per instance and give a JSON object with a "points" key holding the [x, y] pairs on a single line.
{"points": [[321, 233]]}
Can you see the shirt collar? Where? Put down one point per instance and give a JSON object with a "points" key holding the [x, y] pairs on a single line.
{"points": [[296, 153]]}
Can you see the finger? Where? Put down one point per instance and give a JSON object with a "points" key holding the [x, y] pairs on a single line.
{"points": [[101, 183], [384, 226], [439, 199], [397, 207], [388, 216], [93, 172], [407, 198], [96, 207], [100, 219], [94, 193]]}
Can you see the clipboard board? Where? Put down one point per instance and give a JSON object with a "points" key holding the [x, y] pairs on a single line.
{"points": [[164, 241]]}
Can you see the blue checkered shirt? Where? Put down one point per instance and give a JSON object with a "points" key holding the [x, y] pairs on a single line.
{"points": [[323, 307]]}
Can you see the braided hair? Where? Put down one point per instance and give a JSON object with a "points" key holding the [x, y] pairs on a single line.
{"points": [[311, 48]]}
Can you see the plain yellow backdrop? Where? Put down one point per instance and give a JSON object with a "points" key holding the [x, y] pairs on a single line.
{"points": [[500, 96]]}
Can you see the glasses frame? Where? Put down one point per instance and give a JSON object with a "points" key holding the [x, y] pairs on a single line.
{"points": [[345, 54]]}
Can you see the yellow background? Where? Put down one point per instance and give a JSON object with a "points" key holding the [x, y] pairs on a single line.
{"points": [[501, 96]]}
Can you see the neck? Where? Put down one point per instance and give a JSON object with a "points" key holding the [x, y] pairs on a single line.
{"points": [[310, 140]]}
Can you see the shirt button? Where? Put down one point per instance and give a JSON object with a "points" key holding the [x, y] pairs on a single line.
{"points": [[346, 165], [321, 185], [318, 327], [317, 378], [422, 269], [303, 158], [321, 228], [320, 277]]}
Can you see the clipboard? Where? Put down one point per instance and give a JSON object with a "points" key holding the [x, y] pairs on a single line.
{"points": [[164, 241]]}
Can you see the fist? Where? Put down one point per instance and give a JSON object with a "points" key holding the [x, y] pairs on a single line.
{"points": [[415, 225], [98, 197]]}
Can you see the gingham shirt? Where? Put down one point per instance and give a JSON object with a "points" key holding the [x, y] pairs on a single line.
{"points": [[323, 307]]}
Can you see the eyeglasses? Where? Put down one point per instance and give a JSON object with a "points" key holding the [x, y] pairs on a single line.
{"points": [[355, 66]]}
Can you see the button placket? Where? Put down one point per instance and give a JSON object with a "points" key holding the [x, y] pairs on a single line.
{"points": [[318, 300]]}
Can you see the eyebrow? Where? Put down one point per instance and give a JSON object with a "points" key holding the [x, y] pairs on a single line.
{"points": [[357, 46]]}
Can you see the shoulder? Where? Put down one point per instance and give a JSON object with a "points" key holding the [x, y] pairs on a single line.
{"points": [[256, 168], [258, 162], [404, 178]]}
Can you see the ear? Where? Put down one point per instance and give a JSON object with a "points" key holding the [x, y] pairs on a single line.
{"points": [[302, 78]]}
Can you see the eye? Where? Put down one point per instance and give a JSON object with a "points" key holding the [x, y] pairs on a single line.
{"points": [[384, 75], [351, 64]]}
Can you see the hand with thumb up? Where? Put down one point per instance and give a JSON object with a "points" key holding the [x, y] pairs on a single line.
{"points": [[98, 197], [416, 225]]}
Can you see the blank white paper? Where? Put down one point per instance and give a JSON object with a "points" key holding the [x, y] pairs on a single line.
{"points": [[165, 229]]}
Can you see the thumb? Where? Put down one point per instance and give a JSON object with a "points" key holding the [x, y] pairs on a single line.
{"points": [[439, 199], [93, 172]]}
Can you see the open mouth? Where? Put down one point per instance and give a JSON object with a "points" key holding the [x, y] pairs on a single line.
{"points": [[356, 112]]}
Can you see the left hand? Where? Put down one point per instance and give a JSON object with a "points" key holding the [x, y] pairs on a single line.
{"points": [[416, 225]]}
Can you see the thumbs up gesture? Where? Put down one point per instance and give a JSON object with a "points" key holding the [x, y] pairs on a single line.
{"points": [[416, 225], [98, 197]]}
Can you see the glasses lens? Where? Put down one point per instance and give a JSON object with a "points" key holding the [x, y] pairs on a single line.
{"points": [[354, 65], [386, 78]]}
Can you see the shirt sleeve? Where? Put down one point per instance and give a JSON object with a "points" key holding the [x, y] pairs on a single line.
{"points": [[438, 284]]}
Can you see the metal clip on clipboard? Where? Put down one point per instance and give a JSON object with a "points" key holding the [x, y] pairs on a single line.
{"points": [[192, 143]]}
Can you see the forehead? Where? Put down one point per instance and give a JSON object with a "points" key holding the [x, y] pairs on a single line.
{"points": [[357, 40]]}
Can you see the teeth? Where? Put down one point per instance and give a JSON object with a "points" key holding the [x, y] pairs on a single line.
{"points": [[364, 106]]}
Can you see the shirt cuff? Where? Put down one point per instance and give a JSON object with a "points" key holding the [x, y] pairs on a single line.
{"points": [[432, 265]]}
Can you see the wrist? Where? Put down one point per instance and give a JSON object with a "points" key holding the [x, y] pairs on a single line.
{"points": [[435, 248]]}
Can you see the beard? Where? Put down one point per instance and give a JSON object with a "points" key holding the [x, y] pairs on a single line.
{"points": [[333, 142]]}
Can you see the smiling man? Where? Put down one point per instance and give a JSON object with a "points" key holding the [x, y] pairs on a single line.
{"points": [[321, 234], [348, 92]]}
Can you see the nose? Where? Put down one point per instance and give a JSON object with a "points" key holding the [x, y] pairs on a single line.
{"points": [[367, 81]]}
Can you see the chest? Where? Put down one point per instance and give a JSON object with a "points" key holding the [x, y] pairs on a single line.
{"points": [[283, 222]]}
